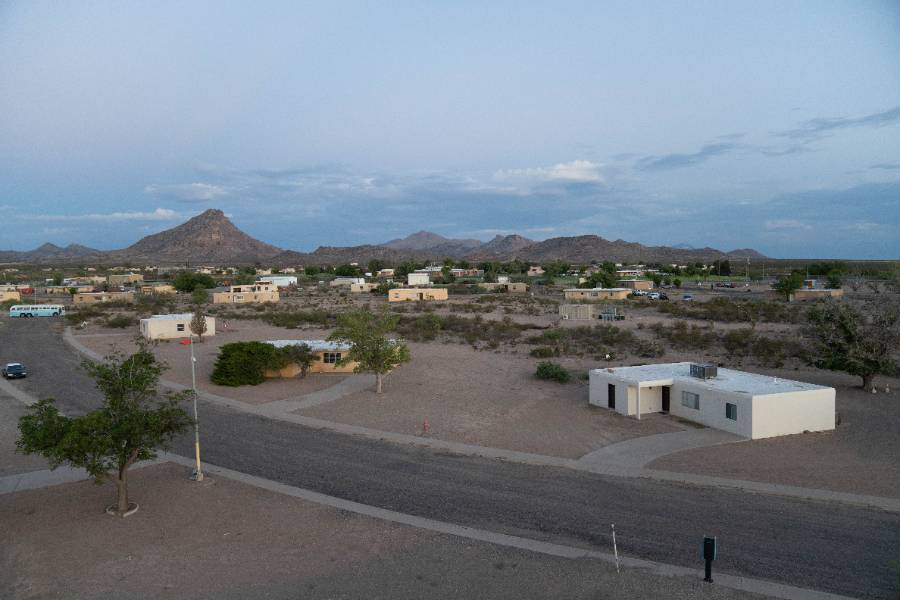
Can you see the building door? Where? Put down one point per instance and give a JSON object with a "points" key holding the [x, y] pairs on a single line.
{"points": [[611, 395], [666, 390]]}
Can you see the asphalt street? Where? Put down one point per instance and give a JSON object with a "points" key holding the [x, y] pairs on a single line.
{"points": [[824, 546]]}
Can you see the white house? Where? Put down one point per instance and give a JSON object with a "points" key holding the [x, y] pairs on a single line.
{"points": [[746, 404], [167, 327], [281, 281], [418, 278], [346, 281]]}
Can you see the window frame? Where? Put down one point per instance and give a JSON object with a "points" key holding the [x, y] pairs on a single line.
{"points": [[690, 400], [731, 408]]}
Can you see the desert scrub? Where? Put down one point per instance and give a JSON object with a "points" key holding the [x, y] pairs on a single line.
{"points": [[120, 321], [551, 371], [544, 352], [469, 330], [600, 339], [765, 351], [725, 310], [682, 336]]}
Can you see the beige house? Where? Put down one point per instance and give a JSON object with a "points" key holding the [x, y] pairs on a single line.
{"points": [[58, 290], [327, 355], [596, 294], [168, 327], [10, 295], [245, 294], [124, 279], [95, 297], [746, 404], [157, 289], [635, 284], [805, 295], [535, 271], [512, 288], [362, 288], [413, 294]]}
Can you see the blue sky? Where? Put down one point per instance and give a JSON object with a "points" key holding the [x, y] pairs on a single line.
{"points": [[772, 125]]}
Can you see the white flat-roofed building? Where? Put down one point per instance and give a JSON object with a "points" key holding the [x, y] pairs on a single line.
{"points": [[281, 281], [346, 281], [168, 327], [417, 278], [746, 404]]}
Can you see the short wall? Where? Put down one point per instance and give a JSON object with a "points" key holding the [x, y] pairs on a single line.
{"points": [[793, 412]]}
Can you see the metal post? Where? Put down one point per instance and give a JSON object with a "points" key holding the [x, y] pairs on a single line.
{"points": [[198, 472], [615, 548]]}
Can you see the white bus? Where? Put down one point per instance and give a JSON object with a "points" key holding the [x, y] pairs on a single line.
{"points": [[37, 310]]}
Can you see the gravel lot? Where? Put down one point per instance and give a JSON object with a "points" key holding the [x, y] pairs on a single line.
{"points": [[222, 539], [12, 463], [489, 399]]}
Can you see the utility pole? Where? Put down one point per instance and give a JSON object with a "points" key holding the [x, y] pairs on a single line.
{"points": [[198, 471]]}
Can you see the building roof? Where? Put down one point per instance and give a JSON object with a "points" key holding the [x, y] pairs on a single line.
{"points": [[727, 380], [314, 345], [175, 317], [597, 290]]}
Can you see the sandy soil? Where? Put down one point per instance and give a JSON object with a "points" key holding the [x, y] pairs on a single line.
{"points": [[226, 540], [861, 456], [177, 357], [488, 399], [12, 463]]}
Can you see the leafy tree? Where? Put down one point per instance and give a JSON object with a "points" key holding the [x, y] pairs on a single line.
{"points": [[370, 347], [311, 270], [186, 281], [346, 271], [676, 282], [446, 275], [132, 424], [299, 354], [834, 281], [245, 363], [385, 287], [602, 279], [656, 280], [788, 284], [198, 323], [375, 265], [57, 279], [200, 295], [848, 340]]}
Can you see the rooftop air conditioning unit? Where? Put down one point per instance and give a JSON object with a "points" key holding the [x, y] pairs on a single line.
{"points": [[703, 370]]}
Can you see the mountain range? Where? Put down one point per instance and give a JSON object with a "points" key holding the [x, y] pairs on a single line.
{"points": [[211, 238]]}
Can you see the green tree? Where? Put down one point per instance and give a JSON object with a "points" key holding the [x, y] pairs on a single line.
{"points": [[346, 271], [375, 265], [676, 282], [200, 295], [57, 279], [788, 284], [833, 282], [370, 347], [198, 323], [312, 271], [132, 424], [602, 279], [299, 354], [187, 282], [846, 339]]}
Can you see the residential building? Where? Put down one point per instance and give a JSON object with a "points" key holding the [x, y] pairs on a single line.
{"points": [[413, 294], [169, 327], [95, 297], [535, 271], [807, 294], [596, 294], [346, 281], [625, 273], [746, 404], [512, 288], [635, 284], [124, 279], [281, 281], [362, 288], [246, 294], [327, 356], [385, 274], [417, 278], [157, 289], [59, 290], [10, 295]]}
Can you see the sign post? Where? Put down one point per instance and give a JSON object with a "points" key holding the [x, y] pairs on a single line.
{"points": [[198, 472], [709, 555]]}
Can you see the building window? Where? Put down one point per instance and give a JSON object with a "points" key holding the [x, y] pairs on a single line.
{"points": [[690, 400], [731, 411], [331, 357], [179, 327]]}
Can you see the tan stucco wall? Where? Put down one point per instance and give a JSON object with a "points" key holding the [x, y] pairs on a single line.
{"points": [[167, 329], [317, 366], [635, 284], [245, 297], [600, 295], [93, 298], [10, 295], [428, 294]]}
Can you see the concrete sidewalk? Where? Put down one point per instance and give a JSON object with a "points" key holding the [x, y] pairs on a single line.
{"points": [[637, 453]]}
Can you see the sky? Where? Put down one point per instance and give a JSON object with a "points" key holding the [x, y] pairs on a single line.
{"points": [[766, 125]]}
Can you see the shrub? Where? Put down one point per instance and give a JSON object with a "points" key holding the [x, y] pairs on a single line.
{"points": [[120, 321], [552, 371], [245, 363], [188, 282], [292, 319], [544, 352]]}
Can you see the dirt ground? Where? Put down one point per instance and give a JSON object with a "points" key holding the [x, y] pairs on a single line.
{"points": [[861, 456], [227, 540], [489, 399], [12, 463], [102, 340]]}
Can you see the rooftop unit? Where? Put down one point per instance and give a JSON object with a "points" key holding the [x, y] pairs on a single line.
{"points": [[704, 370]]}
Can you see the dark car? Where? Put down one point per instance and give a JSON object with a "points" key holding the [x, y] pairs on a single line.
{"points": [[14, 371]]}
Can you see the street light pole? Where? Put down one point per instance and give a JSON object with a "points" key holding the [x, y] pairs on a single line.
{"points": [[198, 472]]}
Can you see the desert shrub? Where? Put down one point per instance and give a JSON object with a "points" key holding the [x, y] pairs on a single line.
{"points": [[245, 363], [544, 352], [600, 339], [682, 336], [726, 310], [120, 321], [648, 349], [84, 313], [292, 319], [766, 351], [552, 371], [425, 327]]}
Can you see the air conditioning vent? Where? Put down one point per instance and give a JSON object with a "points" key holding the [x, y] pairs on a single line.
{"points": [[703, 370]]}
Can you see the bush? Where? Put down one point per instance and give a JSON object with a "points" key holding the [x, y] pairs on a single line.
{"points": [[120, 321], [544, 352], [292, 319], [188, 282], [245, 363], [552, 371]]}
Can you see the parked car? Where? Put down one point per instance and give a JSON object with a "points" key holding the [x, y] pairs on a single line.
{"points": [[663, 296], [653, 295], [687, 298], [14, 371]]}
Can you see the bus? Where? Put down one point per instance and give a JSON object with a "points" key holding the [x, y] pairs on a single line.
{"points": [[37, 310]]}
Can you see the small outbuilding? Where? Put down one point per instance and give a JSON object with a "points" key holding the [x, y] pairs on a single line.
{"points": [[746, 404], [635, 284], [281, 281], [169, 327], [414, 294], [413, 279], [596, 294]]}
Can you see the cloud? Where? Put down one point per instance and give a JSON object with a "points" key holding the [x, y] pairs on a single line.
{"points": [[190, 192], [785, 224], [886, 166], [815, 128], [577, 171], [160, 214], [676, 161]]}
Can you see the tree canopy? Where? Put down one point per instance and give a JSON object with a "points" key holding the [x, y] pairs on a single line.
{"points": [[370, 347]]}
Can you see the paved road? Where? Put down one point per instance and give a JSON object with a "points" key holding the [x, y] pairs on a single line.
{"points": [[824, 546]]}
